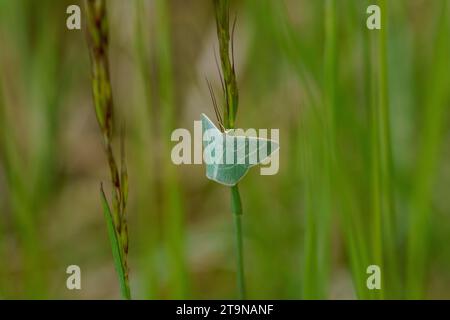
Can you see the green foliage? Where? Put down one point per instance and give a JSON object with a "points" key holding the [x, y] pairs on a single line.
{"points": [[117, 248], [97, 26], [363, 118], [231, 97]]}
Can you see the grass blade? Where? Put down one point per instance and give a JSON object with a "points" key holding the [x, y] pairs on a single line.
{"points": [[115, 247], [98, 43], [225, 38], [436, 111], [236, 208], [174, 217]]}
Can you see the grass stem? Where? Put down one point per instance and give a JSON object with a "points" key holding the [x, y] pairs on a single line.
{"points": [[98, 42], [385, 158], [435, 114], [174, 233], [236, 208], [225, 38]]}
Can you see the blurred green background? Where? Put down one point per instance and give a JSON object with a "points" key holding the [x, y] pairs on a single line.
{"points": [[364, 161]]}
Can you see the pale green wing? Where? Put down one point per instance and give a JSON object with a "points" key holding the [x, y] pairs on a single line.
{"points": [[226, 174], [210, 135], [253, 150], [234, 155], [207, 123]]}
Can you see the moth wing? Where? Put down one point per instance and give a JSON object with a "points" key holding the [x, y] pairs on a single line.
{"points": [[235, 166], [207, 124], [219, 172], [210, 135], [244, 153], [226, 174], [266, 148], [253, 150]]}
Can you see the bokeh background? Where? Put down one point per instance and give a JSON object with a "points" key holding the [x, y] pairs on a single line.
{"points": [[357, 185]]}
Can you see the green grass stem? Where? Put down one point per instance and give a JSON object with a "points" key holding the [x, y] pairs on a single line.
{"points": [[148, 221], [236, 209], [225, 38], [98, 43], [436, 111], [174, 216], [116, 247]]}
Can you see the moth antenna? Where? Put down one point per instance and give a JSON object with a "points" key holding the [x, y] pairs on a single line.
{"points": [[221, 80], [220, 71], [211, 93], [216, 106], [214, 101]]}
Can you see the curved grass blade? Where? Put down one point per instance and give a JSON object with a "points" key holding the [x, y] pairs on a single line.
{"points": [[115, 247]]}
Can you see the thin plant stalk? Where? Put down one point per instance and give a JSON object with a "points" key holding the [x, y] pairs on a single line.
{"points": [[318, 151], [236, 208], [376, 241], [21, 208], [436, 112], [174, 215], [115, 215], [40, 68], [335, 181], [222, 11], [329, 158], [3, 278], [148, 232], [383, 153]]}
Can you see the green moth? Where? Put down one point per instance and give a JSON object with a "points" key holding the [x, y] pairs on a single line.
{"points": [[229, 155]]}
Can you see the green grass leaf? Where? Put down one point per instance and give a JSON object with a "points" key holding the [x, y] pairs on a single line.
{"points": [[116, 247]]}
